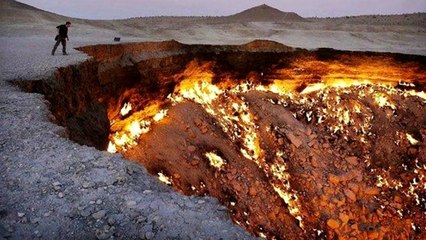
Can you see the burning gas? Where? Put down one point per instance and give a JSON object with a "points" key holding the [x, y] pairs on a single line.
{"points": [[341, 100], [370, 77], [374, 78]]}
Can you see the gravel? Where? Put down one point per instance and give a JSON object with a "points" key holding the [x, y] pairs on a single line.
{"points": [[47, 181]]}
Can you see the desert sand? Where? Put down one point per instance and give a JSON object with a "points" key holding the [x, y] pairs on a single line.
{"points": [[54, 188]]}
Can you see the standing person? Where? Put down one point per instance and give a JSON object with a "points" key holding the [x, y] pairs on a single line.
{"points": [[62, 37]]}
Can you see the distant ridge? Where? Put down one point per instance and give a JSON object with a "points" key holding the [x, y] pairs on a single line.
{"points": [[265, 13], [16, 12]]}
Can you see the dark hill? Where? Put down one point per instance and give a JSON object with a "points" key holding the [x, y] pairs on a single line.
{"points": [[266, 13]]}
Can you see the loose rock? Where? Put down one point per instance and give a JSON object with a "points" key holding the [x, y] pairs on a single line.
{"points": [[149, 235], [334, 224], [192, 148], [98, 215], [349, 194], [294, 140]]}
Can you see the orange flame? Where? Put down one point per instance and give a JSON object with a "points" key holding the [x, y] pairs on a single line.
{"points": [[304, 77]]}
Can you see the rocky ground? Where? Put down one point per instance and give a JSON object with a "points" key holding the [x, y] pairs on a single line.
{"points": [[54, 188]]}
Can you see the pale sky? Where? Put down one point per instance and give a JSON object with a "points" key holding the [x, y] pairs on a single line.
{"points": [[113, 9]]}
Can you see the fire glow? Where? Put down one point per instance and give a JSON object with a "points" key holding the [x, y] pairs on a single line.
{"points": [[323, 103]]}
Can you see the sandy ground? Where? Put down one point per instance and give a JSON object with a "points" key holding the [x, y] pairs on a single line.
{"points": [[53, 188]]}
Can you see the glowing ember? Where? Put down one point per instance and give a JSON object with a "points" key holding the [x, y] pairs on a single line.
{"points": [[285, 192], [111, 148], [126, 109], [415, 93], [411, 139], [383, 101], [215, 160], [163, 178], [160, 115]]}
